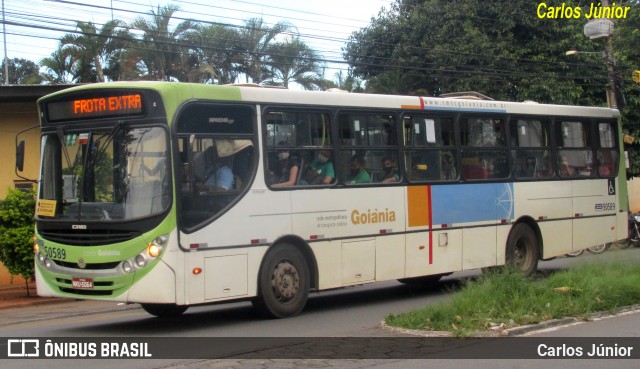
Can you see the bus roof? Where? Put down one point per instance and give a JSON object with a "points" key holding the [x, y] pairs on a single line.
{"points": [[257, 94]]}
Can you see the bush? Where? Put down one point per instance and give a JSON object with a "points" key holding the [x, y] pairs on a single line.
{"points": [[16, 232]]}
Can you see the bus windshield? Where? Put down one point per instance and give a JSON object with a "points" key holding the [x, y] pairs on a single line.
{"points": [[112, 174]]}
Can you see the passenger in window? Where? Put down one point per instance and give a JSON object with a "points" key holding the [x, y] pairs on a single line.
{"points": [[320, 170], [447, 168], [605, 169], [286, 172], [564, 169], [546, 169], [389, 175], [218, 175], [587, 169], [358, 174], [527, 168]]}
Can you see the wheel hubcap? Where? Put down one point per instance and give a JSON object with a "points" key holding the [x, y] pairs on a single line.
{"points": [[520, 254], [285, 281]]}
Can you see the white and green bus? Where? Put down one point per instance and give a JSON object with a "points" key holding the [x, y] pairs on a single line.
{"points": [[174, 194]]}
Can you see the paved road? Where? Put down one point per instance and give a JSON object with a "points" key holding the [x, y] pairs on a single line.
{"points": [[120, 320]]}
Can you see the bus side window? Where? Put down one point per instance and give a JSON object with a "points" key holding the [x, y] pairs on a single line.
{"points": [[607, 155], [575, 158], [294, 141], [474, 168], [211, 183], [365, 140], [428, 155], [530, 138]]}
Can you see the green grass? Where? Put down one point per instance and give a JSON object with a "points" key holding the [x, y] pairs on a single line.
{"points": [[507, 299]]}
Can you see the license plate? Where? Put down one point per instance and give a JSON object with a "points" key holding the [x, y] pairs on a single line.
{"points": [[82, 283]]}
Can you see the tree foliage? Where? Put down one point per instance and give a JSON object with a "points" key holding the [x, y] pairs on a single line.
{"points": [[91, 48], [163, 52], [162, 46], [500, 49], [16, 232], [292, 61], [626, 45], [21, 72]]}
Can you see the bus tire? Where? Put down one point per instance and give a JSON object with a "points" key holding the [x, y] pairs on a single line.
{"points": [[523, 250], [283, 284], [164, 310]]}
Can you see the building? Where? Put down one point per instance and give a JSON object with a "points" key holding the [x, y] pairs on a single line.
{"points": [[19, 112]]}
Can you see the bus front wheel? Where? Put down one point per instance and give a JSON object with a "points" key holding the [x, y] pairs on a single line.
{"points": [[283, 285], [164, 310], [522, 249]]}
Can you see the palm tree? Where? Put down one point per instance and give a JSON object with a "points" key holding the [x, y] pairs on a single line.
{"points": [[125, 64], [219, 56], [58, 67], [349, 83], [293, 61], [256, 37], [93, 48], [162, 52]]}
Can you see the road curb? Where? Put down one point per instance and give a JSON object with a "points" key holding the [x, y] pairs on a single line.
{"points": [[520, 330], [30, 301]]}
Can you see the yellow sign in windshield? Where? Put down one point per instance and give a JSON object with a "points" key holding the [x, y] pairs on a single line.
{"points": [[46, 208]]}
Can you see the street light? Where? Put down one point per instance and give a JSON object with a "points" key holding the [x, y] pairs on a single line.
{"points": [[611, 73], [597, 29], [576, 52]]}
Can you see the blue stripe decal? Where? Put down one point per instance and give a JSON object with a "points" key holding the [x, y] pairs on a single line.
{"points": [[471, 203]]}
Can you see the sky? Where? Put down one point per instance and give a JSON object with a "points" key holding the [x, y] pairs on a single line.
{"points": [[32, 28]]}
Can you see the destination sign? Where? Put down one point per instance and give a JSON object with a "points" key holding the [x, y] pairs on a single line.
{"points": [[95, 107]]}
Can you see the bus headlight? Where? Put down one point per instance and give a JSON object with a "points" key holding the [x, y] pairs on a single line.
{"points": [[47, 263], [126, 266], [40, 257], [153, 250], [140, 261]]}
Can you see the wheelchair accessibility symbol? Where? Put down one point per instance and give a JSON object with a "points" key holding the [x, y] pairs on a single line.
{"points": [[611, 186]]}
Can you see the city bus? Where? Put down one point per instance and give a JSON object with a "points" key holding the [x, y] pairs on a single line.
{"points": [[174, 194]]}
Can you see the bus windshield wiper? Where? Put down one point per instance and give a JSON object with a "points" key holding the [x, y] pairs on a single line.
{"points": [[60, 133], [101, 150]]}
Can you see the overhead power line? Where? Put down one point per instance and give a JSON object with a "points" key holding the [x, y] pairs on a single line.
{"points": [[67, 25]]}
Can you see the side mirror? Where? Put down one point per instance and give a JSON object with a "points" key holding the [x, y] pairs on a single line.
{"points": [[20, 155]]}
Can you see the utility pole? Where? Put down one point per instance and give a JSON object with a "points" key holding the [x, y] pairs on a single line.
{"points": [[4, 35], [611, 74], [603, 28], [611, 69]]}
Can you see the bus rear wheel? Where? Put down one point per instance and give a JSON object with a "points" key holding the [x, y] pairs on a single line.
{"points": [[522, 250], [164, 310], [283, 284]]}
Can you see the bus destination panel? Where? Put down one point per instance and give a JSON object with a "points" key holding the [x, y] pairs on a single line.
{"points": [[95, 107]]}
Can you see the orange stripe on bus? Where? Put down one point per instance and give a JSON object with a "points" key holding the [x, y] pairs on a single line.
{"points": [[418, 205]]}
